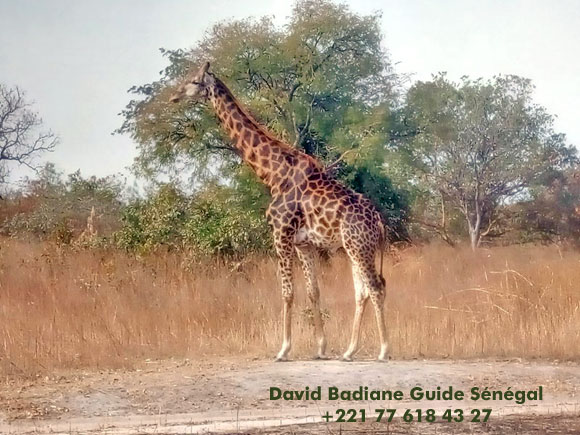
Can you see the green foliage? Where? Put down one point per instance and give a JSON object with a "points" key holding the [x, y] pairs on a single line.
{"points": [[213, 222], [51, 207], [155, 221], [219, 224]]}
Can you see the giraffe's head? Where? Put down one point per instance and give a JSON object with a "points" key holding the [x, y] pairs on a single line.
{"points": [[195, 85]]}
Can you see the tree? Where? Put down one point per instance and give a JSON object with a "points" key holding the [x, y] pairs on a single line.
{"points": [[477, 144], [20, 138], [322, 82], [552, 213]]}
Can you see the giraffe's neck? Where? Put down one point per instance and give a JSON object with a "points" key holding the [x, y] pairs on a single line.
{"points": [[268, 157]]}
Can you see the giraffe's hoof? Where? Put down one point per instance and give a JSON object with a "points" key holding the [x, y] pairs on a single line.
{"points": [[280, 359], [321, 357], [346, 358], [383, 359]]}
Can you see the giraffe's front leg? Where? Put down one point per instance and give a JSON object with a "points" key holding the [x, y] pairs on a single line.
{"points": [[306, 255], [285, 251]]}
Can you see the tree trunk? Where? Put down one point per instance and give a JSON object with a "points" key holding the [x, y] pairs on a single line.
{"points": [[475, 232], [474, 238]]}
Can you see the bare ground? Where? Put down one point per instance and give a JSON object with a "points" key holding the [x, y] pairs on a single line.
{"points": [[233, 396]]}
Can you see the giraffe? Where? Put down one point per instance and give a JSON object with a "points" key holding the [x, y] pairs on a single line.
{"points": [[309, 210]]}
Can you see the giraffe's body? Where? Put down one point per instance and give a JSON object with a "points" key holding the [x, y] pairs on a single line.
{"points": [[309, 210]]}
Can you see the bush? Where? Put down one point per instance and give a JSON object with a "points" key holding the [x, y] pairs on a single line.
{"points": [[213, 222]]}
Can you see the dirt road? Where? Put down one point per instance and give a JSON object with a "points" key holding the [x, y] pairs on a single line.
{"points": [[233, 396]]}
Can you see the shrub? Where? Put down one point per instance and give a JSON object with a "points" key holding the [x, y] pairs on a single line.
{"points": [[214, 221]]}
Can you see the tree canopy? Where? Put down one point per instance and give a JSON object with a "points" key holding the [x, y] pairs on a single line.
{"points": [[323, 82]]}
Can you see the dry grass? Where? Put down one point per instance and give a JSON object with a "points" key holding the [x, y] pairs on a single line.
{"points": [[61, 308]]}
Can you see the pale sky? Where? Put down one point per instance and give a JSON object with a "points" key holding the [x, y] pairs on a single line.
{"points": [[76, 58]]}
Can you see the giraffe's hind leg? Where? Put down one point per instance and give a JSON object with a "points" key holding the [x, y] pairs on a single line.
{"points": [[377, 294], [361, 248], [361, 297], [306, 255]]}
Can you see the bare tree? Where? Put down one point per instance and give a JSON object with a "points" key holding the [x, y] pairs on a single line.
{"points": [[21, 137]]}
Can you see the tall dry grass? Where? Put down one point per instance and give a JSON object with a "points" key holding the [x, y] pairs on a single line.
{"points": [[61, 308]]}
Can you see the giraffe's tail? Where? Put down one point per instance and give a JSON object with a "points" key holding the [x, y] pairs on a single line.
{"points": [[382, 247]]}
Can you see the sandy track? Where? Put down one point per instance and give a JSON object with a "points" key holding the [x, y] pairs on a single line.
{"points": [[231, 396]]}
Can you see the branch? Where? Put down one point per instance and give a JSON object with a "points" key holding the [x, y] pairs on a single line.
{"points": [[334, 164], [19, 139], [442, 232], [301, 133], [293, 91], [296, 130], [492, 222], [222, 147]]}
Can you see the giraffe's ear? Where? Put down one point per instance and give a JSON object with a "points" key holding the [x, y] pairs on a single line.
{"points": [[203, 69]]}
